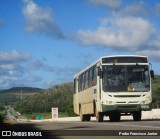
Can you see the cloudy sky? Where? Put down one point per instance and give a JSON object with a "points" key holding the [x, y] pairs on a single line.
{"points": [[45, 42]]}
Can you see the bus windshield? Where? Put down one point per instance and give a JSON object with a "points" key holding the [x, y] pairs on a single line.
{"points": [[125, 78]]}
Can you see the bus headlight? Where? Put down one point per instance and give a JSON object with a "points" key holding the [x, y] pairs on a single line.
{"points": [[111, 102], [105, 102], [108, 102], [147, 101]]}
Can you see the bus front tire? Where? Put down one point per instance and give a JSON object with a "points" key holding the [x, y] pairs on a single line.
{"points": [[99, 117], [137, 115], [115, 117]]}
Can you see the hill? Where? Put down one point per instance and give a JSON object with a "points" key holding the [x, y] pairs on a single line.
{"points": [[19, 89], [60, 96], [12, 95]]}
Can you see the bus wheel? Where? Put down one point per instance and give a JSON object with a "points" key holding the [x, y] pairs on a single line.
{"points": [[99, 117], [82, 117], [137, 115], [115, 117], [88, 117]]}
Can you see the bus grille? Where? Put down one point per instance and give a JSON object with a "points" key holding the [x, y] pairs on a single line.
{"points": [[127, 95], [132, 102], [127, 107], [124, 102]]}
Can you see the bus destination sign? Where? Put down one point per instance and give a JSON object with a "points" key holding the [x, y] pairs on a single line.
{"points": [[124, 60]]}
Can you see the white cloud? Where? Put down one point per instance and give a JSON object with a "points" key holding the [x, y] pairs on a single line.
{"points": [[13, 57], [113, 4], [40, 20], [137, 8], [128, 33], [129, 27], [7, 82], [153, 55], [11, 63], [20, 69], [12, 67]]}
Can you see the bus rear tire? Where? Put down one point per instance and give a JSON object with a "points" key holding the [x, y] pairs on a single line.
{"points": [[87, 117], [137, 115], [82, 116]]}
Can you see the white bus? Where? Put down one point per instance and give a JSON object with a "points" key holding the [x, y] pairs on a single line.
{"points": [[114, 86]]}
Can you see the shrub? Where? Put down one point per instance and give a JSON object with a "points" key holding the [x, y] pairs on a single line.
{"points": [[1, 118], [69, 110]]}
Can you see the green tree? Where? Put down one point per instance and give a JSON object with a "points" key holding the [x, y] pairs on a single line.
{"points": [[60, 96], [2, 113], [2, 108], [156, 91]]}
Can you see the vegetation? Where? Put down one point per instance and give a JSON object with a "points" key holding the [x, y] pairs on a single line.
{"points": [[60, 96], [156, 91], [1, 118], [2, 108], [2, 113]]}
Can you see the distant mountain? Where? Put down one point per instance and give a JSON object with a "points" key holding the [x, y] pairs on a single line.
{"points": [[19, 89], [14, 94]]}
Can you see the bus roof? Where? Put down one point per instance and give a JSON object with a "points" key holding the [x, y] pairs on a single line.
{"points": [[113, 56], [124, 56]]}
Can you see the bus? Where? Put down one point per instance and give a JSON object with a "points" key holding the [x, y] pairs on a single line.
{"points": [[114, 86]]}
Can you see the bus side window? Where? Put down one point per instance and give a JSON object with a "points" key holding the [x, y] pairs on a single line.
{"points": [[94, 75], [80, 83], [83, 81], [86, 80], [75, 85], [90, 77]]}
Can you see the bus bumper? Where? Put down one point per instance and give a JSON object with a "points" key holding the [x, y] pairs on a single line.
{"points": [[127, 108]]}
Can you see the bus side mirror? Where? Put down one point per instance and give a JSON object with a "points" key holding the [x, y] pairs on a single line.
{"points": [[152, 74]]}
